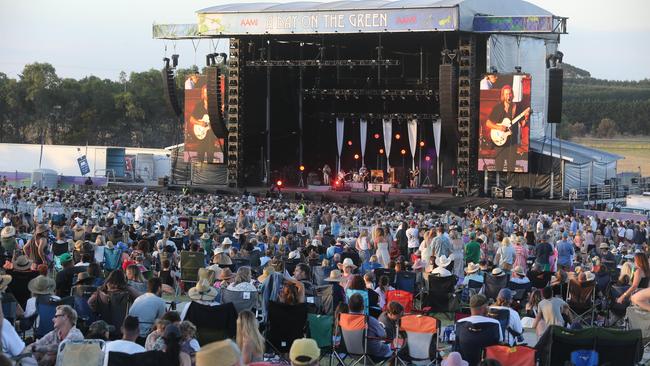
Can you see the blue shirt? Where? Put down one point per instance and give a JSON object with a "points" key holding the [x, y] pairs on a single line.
{"points": [[564, 253]]}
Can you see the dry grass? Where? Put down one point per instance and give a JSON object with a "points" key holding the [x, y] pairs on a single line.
{"points": [[636, 151]]}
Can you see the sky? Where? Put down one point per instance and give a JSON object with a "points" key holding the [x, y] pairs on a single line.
{"points": [[610, 39]]}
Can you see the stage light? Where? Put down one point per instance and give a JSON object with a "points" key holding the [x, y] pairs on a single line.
{"points": [[421, 143], [356, 156], [398, 136], [377, 136], [427, 158], [349, 142], [403, 151], [381, 151], [453, 172], [302, 168], [279, 183]]}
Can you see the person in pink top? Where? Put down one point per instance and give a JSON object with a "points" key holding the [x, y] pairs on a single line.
{"points": [[521, 254]]}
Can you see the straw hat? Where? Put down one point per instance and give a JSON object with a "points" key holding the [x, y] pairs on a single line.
{"points": [[97, 229], [603, 246], [519, 271], [226, 274], [41, 228], [8, 232], [497, 272], [226, 241], [347, 262], [42, 285], [335, 276], [294, 254], [471, 268], [5, 280], [265, 274], [22, 263], [222, 353], [206, 274], [202, 292], [443, 261]]}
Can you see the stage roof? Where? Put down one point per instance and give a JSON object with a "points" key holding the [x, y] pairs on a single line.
{"points": [[366, 16], [572, 152]]}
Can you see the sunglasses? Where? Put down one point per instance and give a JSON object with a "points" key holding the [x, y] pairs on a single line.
{"points": [[58, 315]]}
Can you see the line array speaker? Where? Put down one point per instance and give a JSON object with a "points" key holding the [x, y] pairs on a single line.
{"points": [[213, 76], [555, 80], [448, 86], [169, 86]]}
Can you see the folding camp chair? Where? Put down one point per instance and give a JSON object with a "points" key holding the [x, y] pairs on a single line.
{"points": [[581, 297], [539, 279], [390, 273], [213, 323], [584, 357], [364, 295], [503, 317], [511, 356], [519, 292], [190, 264], [240, 262], [242, 300], [637, 318], [472, 338], [321, 329], [353, 329], [614, 309], [403, 297], [9, 311], [405, 281], [81, 353], [494, 284], [319, 274], [46, 308], [421, 340], [285, 324], [473, 287], [441, 295]]}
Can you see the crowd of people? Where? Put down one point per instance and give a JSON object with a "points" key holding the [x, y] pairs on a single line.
{"points": [[110, 247]]}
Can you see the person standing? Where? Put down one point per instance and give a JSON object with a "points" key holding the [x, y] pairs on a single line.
{"points": [[472, 249]]}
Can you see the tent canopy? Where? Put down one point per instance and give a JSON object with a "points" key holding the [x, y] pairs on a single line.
{"points": [[572, 152]]}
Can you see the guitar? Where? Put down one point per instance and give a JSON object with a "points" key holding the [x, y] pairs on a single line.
{"points": [[201, 131], [501, 137]]}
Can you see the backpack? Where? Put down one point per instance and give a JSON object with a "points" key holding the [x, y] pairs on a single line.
{"points": [[112, 259]]}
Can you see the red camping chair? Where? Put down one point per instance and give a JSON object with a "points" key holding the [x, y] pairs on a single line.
{"points": [[403, 297], [511, 356], [421, 339]]}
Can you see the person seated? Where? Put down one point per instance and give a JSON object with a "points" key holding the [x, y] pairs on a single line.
{"points": [[304, 352], [130, 332], [472, 273], [441, 266], [504, 299], [551, 311], [390, 317], [478, 309], [376, 347], [642, 299], [45, 349], [519, 276]]}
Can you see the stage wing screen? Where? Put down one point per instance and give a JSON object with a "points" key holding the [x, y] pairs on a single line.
{"points": [[504, 123], [201, 144]]}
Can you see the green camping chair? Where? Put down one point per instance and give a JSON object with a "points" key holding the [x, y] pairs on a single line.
{"points": [[321, 329]]}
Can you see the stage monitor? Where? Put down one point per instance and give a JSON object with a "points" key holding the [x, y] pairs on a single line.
{"points": [[504, 123], [201, 144]]}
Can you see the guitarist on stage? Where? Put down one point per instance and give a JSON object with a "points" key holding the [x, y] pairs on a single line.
{"points": [[506, 155], [205, 142]]}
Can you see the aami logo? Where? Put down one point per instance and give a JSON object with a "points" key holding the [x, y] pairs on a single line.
{"points": [[407, 20], [248, 22]]}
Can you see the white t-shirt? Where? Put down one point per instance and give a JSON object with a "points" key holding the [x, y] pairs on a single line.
{"points": [[12, 345], [412, 236], [514, 323], [122, 346]]}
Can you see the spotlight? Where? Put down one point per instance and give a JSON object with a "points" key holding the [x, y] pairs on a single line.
{"points": [[397, 136], [421, 143], [381, 151], [403, 151], [302, 168], [427, 158], [376, 136], [279, 183], [356, 156], [349, 142]]}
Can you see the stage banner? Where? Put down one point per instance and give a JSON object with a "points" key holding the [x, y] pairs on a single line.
{"points": [[388, 135], [413, 139], [504, 133], [363, 131], [437, 129], [340, 125], [201, 144]]}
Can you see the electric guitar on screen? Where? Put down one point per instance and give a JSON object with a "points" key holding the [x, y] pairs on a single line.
{"points": [[201, 127], [501, 137]]}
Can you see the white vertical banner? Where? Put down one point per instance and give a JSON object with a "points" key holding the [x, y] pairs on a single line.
{"points": [[388, 135], [363, 131], [339, 142], [413, 139], [437, 129]]}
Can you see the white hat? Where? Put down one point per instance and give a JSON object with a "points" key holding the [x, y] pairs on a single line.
{"points": [[347, 262], [443, 261], [226, 241], [294, 254], [217, 250]]}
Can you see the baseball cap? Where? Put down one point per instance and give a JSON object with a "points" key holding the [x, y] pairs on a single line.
{"points": [[65, 257], [478, 300], [505, 294], [304, 351]]}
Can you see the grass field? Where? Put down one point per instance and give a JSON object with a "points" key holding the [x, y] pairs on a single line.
{"points": [[636, 151]]}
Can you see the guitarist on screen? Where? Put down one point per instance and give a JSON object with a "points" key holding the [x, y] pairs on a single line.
{"points": [[506, 154], [200, 130]]}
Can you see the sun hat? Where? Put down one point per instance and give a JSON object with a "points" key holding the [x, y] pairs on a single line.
{"points": [[41, 228], [41, 285], [603, 246], [226, 274], [497, 272], [83, 277], [471, 267], [335, 276], [202, 292], [8, 232], [97, 229], [454, 359], [206, 274], [226, 241], [5, 280], [294, 254], [22, 263], [347, 262], [222, 353], [265, 274], [304, 351], [519, 271], [443, 261]]}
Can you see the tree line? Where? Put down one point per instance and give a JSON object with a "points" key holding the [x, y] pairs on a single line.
{"points": [[132, 111]]}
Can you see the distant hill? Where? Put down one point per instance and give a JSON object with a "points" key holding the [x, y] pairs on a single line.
{"points": [[573, 72]]}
